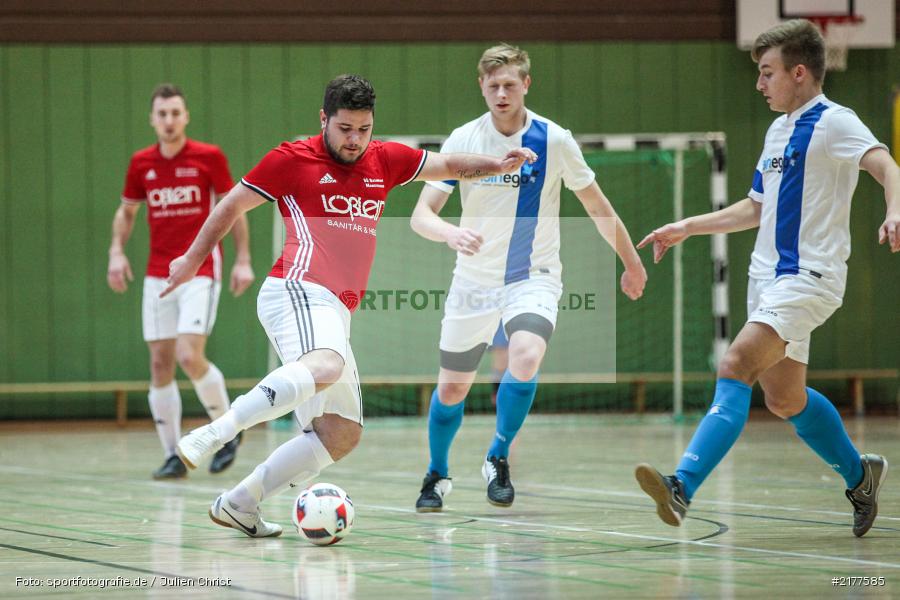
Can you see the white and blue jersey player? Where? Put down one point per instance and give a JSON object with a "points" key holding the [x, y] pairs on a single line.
{"points": [[800, 200], [508, 268]]}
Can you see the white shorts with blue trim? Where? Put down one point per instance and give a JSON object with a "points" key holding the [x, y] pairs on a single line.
{"points": [[300, 317], [189, 309], [792, 305], [472, 311]]}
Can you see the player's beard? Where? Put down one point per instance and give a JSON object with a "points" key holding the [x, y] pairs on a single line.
{"points": [[334, 153]]}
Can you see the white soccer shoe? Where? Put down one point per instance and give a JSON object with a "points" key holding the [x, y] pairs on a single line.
{"points": [[198, 445], [225, 514]]}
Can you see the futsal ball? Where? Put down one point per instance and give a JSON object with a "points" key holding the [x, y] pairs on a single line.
{"points": [[323, 514]]}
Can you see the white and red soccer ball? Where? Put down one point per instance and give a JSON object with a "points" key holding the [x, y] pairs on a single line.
{"points": [[323, 514]]}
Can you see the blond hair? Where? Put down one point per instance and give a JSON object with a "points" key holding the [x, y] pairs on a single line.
{"points": [[800, 43], [501, 56]]}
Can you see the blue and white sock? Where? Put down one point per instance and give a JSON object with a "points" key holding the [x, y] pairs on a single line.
{"points": [[514, 400], [716, 434], [820, 426], [443, 423]]}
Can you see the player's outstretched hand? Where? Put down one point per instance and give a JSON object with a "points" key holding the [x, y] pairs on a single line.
{"points": [[514, 159], [889, 232], [633, 282], [118, 273], [180, 271], [465, 240], [664, 238], [241, 278]]}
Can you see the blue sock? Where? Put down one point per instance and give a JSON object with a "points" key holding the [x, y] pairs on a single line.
{"points": [[716, 434], [514, 399], [443, 423], [820, 426]]}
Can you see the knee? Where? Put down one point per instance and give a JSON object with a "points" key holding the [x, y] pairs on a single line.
{"points": [[162, 369], [340, 440], [451, 393], [733, 366], [326, 366], [191, 362], [524, 364], [785, 405]]}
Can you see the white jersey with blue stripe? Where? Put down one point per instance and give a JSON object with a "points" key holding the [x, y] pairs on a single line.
{"points": [[517, 214], [805, 179]]}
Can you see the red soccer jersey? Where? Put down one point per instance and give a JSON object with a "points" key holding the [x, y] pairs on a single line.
{"points": [[180, 193], [330, 209]]}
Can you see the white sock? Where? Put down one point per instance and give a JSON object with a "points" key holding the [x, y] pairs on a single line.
{"points": [[280, 392], [293, 463], [165, 406], [212, 393]]}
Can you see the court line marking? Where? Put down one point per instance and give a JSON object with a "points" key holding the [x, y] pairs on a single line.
{"points": [[526, 524], [636, 495], [651, 538]]}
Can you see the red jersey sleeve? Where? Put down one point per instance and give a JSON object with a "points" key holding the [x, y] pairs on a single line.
{"points": [[134, 190], [220, 173], [270, 177], [402, 163]]}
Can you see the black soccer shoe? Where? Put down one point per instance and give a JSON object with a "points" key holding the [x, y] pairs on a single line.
{"points": [[173, 468], [500, 490], [864, 497], [667, 491], [226, 455], [434, 488]]}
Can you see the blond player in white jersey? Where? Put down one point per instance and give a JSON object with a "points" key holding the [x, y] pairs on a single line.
{"points": [[508, 269], [800, 201]]}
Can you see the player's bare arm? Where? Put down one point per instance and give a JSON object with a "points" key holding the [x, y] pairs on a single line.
{"points": [[740, 216], [426, 222], [879, 163], [463, 166], [613, 230], [242, 271], [119, 273], [220, 221]]}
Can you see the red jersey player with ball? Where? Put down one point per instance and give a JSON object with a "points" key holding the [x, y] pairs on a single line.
{"points": [[179, 179], [331, 190]]}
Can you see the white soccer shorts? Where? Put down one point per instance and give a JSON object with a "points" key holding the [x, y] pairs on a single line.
{"points": [[793, 305], [472, 312], [300, 317], [190, 309]]}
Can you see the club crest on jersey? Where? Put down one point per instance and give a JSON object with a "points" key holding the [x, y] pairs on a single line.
{"points": [[354, 206], [173, 196]]}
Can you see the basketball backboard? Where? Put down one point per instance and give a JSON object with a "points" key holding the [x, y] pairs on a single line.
{"points": [[876, 30]]}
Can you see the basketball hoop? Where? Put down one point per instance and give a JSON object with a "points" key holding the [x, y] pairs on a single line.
{"points": [[837, 30]]}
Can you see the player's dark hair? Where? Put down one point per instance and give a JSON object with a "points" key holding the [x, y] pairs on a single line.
{"points": [[165, 91], [800, 43], [348, 91]]}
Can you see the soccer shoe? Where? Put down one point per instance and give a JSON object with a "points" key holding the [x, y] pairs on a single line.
{"points": [[226, 455], [225, 514], [434, 489], [197, 445], [667, 492], [500, 490], [173, 468], [864, 497]]}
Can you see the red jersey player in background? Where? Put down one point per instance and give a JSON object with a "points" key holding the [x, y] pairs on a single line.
{"points": [[179, 180], [331, 191]]}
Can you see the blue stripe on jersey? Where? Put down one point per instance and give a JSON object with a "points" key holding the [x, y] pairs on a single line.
{"points": [[757, 185], [531, 183], [790, 192]]}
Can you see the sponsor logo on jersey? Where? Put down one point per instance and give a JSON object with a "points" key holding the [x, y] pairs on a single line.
{"points": [[327, 178], [354, 206], [372, 182], [173, 196], [772, 164], [186, 172], [151, 174], [513, 180]]}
